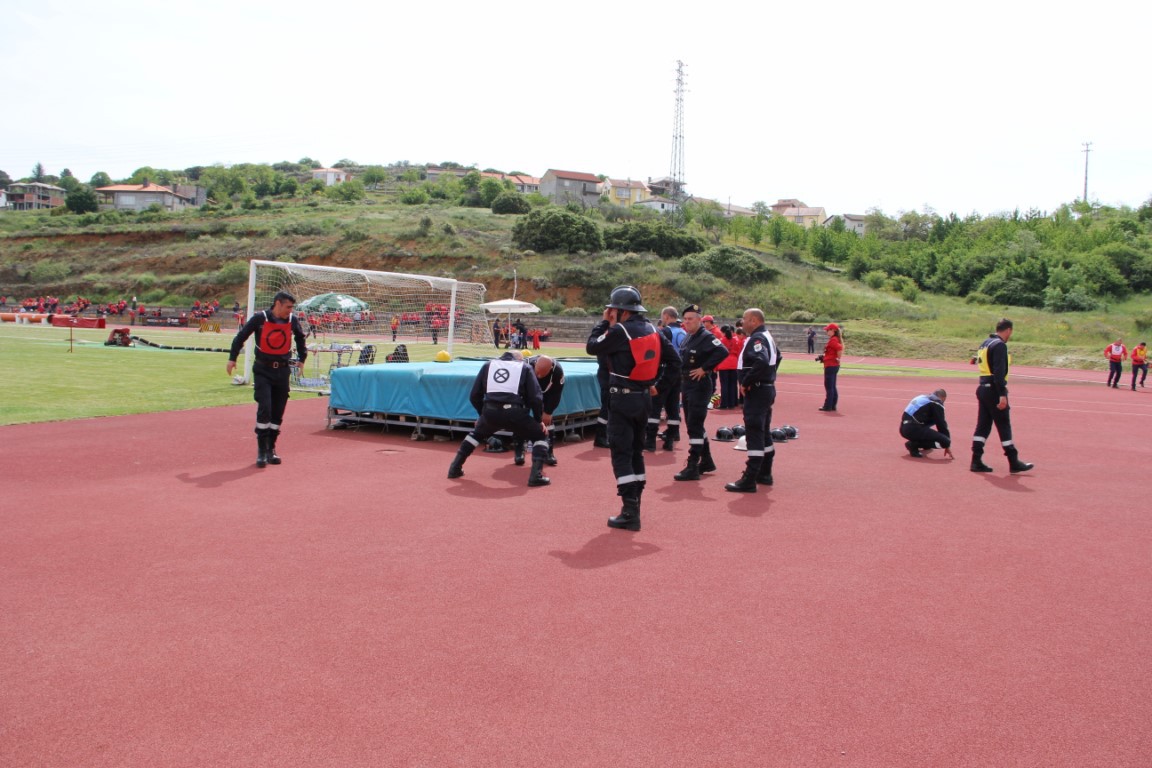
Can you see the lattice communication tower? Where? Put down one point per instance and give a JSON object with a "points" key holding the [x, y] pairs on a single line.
{"points": [[676, 172]]}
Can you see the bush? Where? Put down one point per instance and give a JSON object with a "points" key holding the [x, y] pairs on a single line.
{"points": [[510, 202], [414, 196], [730, 263], [575, 312], [656, 237], [233, 272], [802, 316], [876, 279], [49, 271], [555, 229], [1143, 322]]}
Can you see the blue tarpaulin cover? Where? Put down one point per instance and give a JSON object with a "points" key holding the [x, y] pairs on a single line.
{"points": [[440, 390]]}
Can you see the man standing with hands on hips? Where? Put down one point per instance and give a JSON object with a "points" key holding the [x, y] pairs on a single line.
{"points": [[700, 353], [639, 362], [275, 329], [757, 374], [992, 399]]}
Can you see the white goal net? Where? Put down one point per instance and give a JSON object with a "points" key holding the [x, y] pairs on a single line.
{"points": [[354, 316]]}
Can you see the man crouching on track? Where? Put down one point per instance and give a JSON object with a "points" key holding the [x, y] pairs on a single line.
{"points": [[507, 396], [640, 362]]}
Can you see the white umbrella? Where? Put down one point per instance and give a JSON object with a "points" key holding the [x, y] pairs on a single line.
{"points": [[510, 306]]}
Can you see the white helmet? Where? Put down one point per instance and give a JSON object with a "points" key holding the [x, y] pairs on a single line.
{"points": [[741, 444]]}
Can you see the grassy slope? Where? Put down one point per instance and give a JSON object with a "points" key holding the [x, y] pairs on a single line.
{"points": [[187, 256]]}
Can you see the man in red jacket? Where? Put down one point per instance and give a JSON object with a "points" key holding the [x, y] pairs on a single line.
{"points": [[1139, 363], [1116, 354]]}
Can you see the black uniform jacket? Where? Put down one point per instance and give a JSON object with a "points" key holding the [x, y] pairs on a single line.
{"points": [[255, 325], [551, 385], [758, 360], [612, 342], [528, 392], [702, 349]]}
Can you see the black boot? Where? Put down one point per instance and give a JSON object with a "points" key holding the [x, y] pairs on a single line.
{"points": [[692, 471], [747, 481], [1015, 466], [706, 463], [551, 460], [536, 475], [518, 452], [262, 450], [272, 457], [650, 436], [629, 517], [671, 436], [913, 451], [764, 476], [978, 464], [601, 439], [462, 453]]}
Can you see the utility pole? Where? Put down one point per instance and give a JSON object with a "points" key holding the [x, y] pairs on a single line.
{"points": [[1086, 150], [676, 171]]}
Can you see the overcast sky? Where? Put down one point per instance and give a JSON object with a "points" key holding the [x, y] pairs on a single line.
{"points": [[975, 107]]}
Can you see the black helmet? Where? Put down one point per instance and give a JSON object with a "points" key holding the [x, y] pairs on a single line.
{"points": [[790, 431], [738, 430], [495, 445], [778, 435], [724, 435], [627, 298]]}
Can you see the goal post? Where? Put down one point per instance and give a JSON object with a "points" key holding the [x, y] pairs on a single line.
{"points": [[370, 306]]}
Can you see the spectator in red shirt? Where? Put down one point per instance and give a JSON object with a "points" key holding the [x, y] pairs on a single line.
{"points": [[1139, 363], [833, 351], [727, 369]]}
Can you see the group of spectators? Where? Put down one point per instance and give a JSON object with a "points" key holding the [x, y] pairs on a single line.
{"points": [[517, 335]]}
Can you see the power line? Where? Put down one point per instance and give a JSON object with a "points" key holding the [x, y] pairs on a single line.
{"points": [[1087, 149]]}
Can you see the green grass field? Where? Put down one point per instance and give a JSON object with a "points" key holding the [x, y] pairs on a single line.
{"points": [[56, 374]]}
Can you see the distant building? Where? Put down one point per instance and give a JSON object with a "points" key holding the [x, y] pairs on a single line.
{"points": [[796, 212], [853, 222], [563, 187], [659, 204], [331, 176], [140, 197], [625, 192], [3, 199], [34, 195], [666, 187], [525, 185]]}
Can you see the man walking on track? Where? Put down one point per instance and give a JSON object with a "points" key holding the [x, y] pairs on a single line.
{"points": [[639, 361], [923, 426], [1139, 363], [507, 396], [275, 329], [1115, 354], [700, 354], [757, 374], [992, 400]]}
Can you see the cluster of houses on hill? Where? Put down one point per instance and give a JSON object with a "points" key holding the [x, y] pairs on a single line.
{"points": [[562, 187]]}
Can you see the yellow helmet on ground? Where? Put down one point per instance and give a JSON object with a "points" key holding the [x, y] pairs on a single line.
{"points": [[443, 357]]}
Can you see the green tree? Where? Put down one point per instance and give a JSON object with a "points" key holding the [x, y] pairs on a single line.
{"points": [[374, 176], [555, 229], [100, 179], [345, 163], [288, 186], [510, 202], [38, 172], [347, 191], [68, 181], [490, 189], [81, 200], [5, 180]]}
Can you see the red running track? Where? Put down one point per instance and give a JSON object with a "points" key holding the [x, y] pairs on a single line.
{"points": [[165, 603]]}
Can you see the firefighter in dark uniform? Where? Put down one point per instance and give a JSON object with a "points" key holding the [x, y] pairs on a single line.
{"points": [[700, 353], [639, 361], [274, 328], [507, 396], [756, 372], [992, 399], [667, 402], [550, 376], [923, 427]]}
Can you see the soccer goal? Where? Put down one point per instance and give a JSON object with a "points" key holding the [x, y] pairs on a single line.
{"points": [[353, 316]]}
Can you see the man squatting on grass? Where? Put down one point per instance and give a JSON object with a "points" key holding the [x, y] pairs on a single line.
{"points": [[274, 329]]}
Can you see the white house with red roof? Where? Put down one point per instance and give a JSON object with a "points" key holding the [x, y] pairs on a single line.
{"points": [[563, 187], [139, 197]]}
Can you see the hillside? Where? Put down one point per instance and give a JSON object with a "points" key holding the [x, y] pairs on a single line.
{"points": [[172, 259]]}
